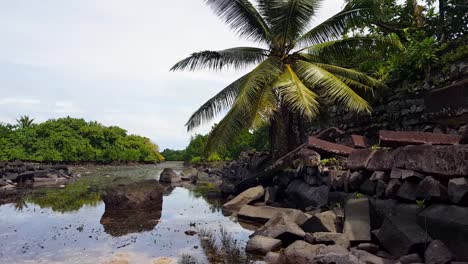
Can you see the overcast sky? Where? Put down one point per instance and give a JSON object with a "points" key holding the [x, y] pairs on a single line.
{"points": [[109, 60]]}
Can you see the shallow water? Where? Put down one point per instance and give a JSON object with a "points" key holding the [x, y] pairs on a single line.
{"points": [[33, 233]]}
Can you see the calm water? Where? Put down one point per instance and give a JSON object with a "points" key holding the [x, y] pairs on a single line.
{"points": [[47, 228]]}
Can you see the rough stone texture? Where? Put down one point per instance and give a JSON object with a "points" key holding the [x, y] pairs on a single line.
{"points": [[245, 198], [381, 209], [369, 258], [410, 236], [382, 160], [368, 187], [409, 259], [408, 191], [380, 175], [322, 222], [431, 189], [336, 258], [308, 157], [282, 227], [392, 188], [357, 220], [360, 142], [396, 139], [359, 158], [401, 174], [145, 195], [458, 191], [190, 174], [437, 253], [328, 238], [261, 245], [300, 252], [447, 161], [272, 258], [336, 179], [354, 181], [380, 189], [303, 195], [448, 223], [328, 148], [369, 247], [169, 176], [263, 214]]}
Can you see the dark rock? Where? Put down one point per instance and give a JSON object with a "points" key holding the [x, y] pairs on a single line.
{"points": [[354, 181], [336, 179], [458, 191], [409, 259], [410, 236], [431, 189], [368, 187], [308, 157], [408, 191], [261, 245], [396, 139], [380, 175], [369, 247], [380, 189], [368, 258], [270, 194], [245, 198], [446, 161], [282, 227], [437, 253], [360, 142], [119, 223], [382, 160], [190, 174], [359, 158], [322, 222], [303, 195], [392, 188], [330, 134], [169, 176], [406, 175], [357, 221], [328, 148], [190, 232], [448, 223], [144, 195]]}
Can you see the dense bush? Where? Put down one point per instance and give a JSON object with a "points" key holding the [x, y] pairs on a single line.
{"points": [[73, 140]]}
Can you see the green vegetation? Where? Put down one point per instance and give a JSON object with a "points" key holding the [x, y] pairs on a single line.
{"points": [[299, 71], [195, 151], [73, 140]]}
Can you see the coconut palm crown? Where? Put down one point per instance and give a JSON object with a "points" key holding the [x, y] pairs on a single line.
{"points": [[296, 72]]}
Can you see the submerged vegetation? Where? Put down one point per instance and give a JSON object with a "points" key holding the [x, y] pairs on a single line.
{"points": [[73, 140]]}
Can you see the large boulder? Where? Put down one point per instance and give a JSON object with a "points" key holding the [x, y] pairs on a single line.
{"points": [[444, 161], [169, 176], [437, 253], [359, 158], [304, 195], [282, 227], [263, 214], [357, 224], [431, 189], [147, 195], [458, 191], [408, 191], [261, 245], [190, 174], [448, 223], [245, 198], [402, 236], [322, 222], [300, 252], [382, 160]]}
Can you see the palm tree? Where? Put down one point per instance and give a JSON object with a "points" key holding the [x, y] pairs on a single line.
{"points": [[24, 122], [296, 73]]}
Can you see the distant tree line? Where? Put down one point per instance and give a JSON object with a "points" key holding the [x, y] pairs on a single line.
{"points": [[73, 140], [196, 150]]}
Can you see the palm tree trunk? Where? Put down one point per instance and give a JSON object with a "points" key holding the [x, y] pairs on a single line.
{"points": [[287, 132]]}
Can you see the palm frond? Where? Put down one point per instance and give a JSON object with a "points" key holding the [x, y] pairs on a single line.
{"points": [[236, 58], [217, 104], [347, 47], [296, 95], [288, 19], [247, 104], [330, 86], [334, 27], [351, 74], [242, 17]]}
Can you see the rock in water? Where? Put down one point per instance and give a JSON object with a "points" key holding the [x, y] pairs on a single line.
{"points": [[190, 174], [245, 198], [357, 223], [261, 245], [169, 176], [147, 195]]}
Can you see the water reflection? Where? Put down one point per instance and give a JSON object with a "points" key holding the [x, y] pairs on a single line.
{"points": [[121, 223]]}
